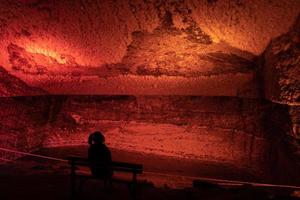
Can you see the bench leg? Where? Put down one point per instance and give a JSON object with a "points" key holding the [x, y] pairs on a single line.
{"points": [[73, 182], [107, 185], [133, 186], [73, 189], [81, 183]]}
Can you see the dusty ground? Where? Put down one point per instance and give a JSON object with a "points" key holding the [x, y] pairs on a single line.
{"points": [[164, 178]]}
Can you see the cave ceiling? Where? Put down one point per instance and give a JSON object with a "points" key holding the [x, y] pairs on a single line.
{"points": [[139, 47]]}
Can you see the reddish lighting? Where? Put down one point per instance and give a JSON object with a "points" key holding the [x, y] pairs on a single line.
{"points": [[46, 52]]}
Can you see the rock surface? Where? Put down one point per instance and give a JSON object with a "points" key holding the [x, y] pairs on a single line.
{"points": [[167, 47], [282, 68], [197, 57], [13, 86], [221, 129]]}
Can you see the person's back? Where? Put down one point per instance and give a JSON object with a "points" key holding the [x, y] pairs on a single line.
{"points": [[99, 153]]}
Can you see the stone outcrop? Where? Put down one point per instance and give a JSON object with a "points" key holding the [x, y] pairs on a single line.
{"points": [[282, 68], [281, 80], [13, 86]]}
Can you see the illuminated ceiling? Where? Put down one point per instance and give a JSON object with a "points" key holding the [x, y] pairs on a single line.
{"points": [[140, 47]]}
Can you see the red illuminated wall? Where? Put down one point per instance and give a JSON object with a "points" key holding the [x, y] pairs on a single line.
{"points": [[195, 79], [221, 129]]}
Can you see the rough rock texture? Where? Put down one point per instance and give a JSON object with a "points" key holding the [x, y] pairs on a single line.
{"points": [[23, 124], [194, 51], [248, 133], [12, 86], [282, 68], [283, 121], [173, 47], [281, 80], [220, 129], [212, 73]]}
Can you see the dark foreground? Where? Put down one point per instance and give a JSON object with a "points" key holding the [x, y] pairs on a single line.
{"points": [[164, 178]]}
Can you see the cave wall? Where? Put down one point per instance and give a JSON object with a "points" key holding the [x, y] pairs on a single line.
{"points": [[206, 128], [280, 123], [247, 133], [23, 124], [220, 129], [208, 64], [281, 80], [281, 68]]}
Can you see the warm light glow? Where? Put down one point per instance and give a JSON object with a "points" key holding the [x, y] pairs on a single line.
{"points": [[46, 52]]}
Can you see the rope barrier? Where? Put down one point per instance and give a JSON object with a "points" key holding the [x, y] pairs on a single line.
{"points": [[33, 155], [225, 181], [6, 160]]}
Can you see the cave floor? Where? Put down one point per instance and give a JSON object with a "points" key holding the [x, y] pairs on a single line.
{"points": [[164, 178]]}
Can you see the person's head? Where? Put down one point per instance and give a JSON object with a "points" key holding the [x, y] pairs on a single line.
{"points": [[96, 138]]}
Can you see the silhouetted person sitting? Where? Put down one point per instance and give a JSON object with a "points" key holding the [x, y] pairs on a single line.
{"points": [[99, 153]]}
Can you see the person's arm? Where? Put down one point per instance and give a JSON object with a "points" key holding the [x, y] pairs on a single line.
{"points": [[90, 157]]}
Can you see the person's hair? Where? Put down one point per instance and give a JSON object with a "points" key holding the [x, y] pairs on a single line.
{"points": [[96, 137]]}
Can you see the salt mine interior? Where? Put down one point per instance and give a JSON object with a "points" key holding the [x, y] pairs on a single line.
{"points": [[202, 90]]}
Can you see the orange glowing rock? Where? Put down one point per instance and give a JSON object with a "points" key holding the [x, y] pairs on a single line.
{"points": [[46, 52]]}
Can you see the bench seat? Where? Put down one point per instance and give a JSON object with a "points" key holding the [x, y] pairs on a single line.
{"points": [[124, 167]]}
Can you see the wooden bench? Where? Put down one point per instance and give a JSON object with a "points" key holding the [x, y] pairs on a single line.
{"points": [[77, 162]]}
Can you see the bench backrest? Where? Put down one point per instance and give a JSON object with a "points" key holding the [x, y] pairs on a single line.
{"points": [[116, 166]]}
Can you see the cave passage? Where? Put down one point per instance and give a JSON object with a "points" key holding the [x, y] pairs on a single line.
{"points": [[191, 89]]}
